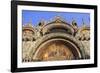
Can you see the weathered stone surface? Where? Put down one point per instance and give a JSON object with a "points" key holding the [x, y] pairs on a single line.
{"points": [[37, 40]]}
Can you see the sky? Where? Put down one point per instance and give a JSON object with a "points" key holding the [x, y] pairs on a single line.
{"points": [[34, 17]]}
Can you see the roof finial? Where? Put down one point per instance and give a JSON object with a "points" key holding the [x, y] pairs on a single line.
{"points": [[84, 24], [83, 21], [30, 22], [58, 19]]}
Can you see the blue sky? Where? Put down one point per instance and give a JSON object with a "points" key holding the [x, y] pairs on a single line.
{"points": [[36, 16]]}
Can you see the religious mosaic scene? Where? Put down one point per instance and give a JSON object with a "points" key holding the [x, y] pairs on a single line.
{"points": [[55, 40]]}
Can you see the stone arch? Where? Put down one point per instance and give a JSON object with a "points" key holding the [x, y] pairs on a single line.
{"points": [[83, 34], [77, 47], [48, 28], [29, 33], [30, 29]]}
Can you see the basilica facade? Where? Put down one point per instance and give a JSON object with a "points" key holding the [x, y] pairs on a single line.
{"points": [[55, 40]]}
